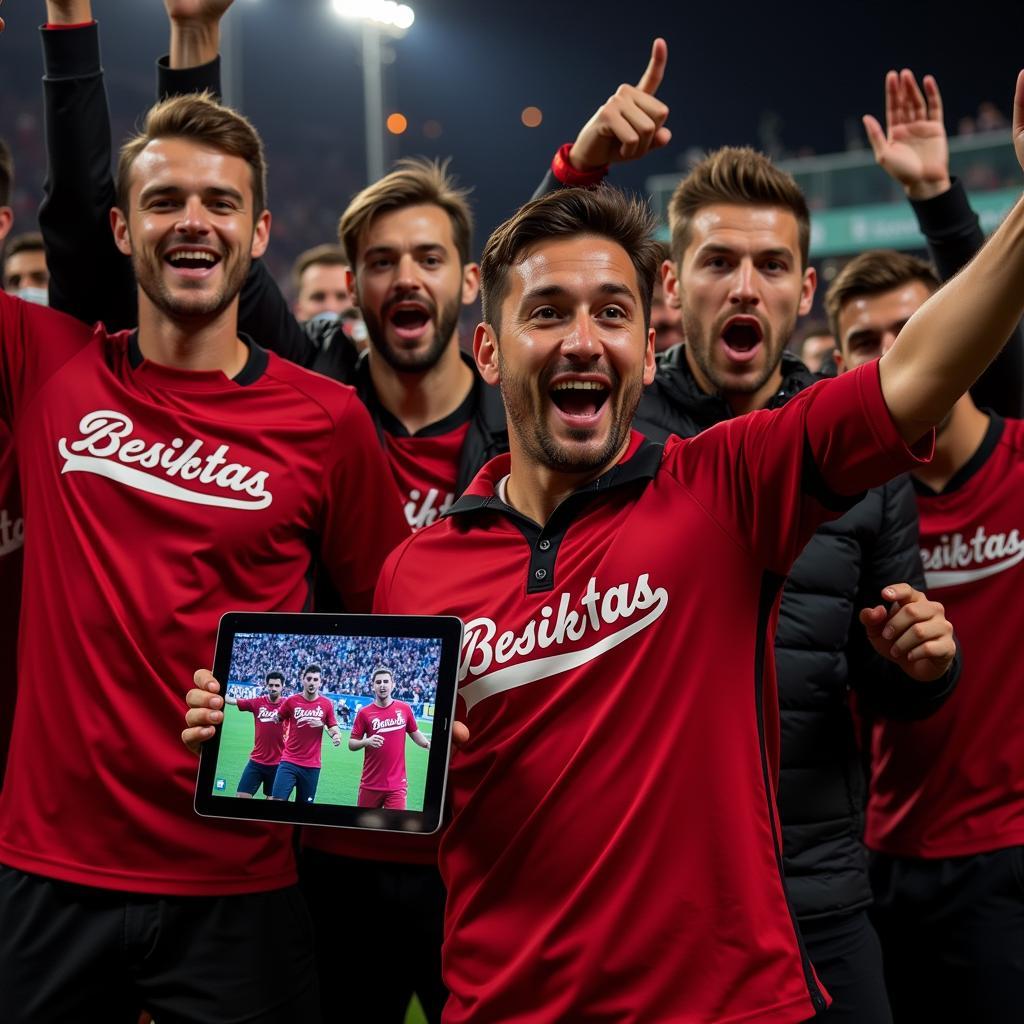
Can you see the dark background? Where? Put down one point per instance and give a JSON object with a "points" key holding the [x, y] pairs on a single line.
{"points": [[788, 77]]}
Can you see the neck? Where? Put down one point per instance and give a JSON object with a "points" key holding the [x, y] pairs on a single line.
{"points": [[418, 399], [204, 344], [382, 703], [957, 440], [536, 491], [740, 402]]}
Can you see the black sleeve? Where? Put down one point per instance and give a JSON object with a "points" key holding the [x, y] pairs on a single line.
{"points": [[179, 81], [89, 277], [954, 236], [263, 312], [895, 557]]}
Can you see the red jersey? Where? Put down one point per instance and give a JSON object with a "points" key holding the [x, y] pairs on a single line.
{"points": [[158, 499], [952, 784], [12, 538], [613, 851], [426, 464], [306, 720], [269, 728], [384, 767]]}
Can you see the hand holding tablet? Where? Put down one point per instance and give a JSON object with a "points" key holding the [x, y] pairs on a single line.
{"points": [[286, 679]]}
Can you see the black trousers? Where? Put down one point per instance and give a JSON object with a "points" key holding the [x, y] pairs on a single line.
{"points": [[952, 936], [848, 960], [388, 918], [71, 954]]}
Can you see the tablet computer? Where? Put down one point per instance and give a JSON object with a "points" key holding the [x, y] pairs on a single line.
{"points": [[340, 720]]}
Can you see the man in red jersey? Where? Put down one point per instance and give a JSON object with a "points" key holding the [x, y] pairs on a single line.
{"points": [[383, 783], [946, 804], [588, 563], [308, 714], [266, 752], [177, 472]]}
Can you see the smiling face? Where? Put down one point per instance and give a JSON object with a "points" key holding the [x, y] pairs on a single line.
{"points": [[741, 287], [573, 354], [409, 285], [190, 228], [274, 687]]}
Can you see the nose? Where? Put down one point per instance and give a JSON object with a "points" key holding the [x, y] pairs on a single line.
{"points": [[888, 340], [743, 288], [193, 219], [582, 340], [406, 279]]}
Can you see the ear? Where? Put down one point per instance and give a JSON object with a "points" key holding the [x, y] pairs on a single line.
{"points": [[807, 289], [470, 283], [485, 352], [6, 221], [350, 281], [837, 358], [670, 284], [649, 364], [119, 225], [260, 235]]}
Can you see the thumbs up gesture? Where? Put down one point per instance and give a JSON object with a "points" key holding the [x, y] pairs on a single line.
{"points": [[630, 123]]}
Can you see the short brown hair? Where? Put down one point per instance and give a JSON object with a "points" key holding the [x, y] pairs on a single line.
{"points": [[328, 255], [415, 181], [29, 241], [6, 174], [200, 118], [871, 273], [740, 176], [564, 213]]}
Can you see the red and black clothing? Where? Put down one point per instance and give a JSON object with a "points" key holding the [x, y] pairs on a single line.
{"points": [[614, 849]]}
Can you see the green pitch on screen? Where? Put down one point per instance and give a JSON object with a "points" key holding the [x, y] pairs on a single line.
{"points": [[342, 768]]}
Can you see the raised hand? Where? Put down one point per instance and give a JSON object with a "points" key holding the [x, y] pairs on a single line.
{"points": [[913, 632], [195, 30], [629, 124], [913, 149], [196, 10], [68, 12]]}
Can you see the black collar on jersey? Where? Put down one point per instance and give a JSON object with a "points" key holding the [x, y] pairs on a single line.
{"points": [[393, 426], [545, 540], [972, 465], [255, 364]]}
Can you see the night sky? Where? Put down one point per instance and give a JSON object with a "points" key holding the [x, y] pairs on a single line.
{"points": [[474, 67]]}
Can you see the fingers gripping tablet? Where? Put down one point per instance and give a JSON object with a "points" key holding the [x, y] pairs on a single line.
{"points": [[340, 720]]}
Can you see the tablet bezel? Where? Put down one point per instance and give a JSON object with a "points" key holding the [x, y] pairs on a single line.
{"points": [[447, 628]]}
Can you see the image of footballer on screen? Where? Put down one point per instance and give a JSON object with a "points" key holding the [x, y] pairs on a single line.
{"points": [[379, 730], [266, 752], [306, 713]]}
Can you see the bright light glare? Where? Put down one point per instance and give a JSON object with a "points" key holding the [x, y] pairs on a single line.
{"points": [[384, 12]]}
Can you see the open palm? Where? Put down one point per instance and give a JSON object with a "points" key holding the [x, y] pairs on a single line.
{"points": [[914, 148]]}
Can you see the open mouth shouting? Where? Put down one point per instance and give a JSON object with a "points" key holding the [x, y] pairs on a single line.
{"points": [[742, 337], [410, 320], [580, 400], [190, 261]]}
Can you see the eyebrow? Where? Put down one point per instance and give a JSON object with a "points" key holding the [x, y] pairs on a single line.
{"points": [[156, 190], [556, 291], [385, 250], [716, 248]]}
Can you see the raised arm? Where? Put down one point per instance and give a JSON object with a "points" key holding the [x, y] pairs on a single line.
{"points": [[89, 278], [627, 126], [913, 150], [952, 338]]}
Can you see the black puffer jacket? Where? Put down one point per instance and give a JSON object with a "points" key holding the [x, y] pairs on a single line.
{"points": [[821, 653]]}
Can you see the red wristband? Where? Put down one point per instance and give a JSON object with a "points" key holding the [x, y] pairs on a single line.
{"points": [[57, 28], [569, 175]]}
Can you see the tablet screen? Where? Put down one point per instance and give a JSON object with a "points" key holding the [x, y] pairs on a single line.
{"points": [[332, 719]]}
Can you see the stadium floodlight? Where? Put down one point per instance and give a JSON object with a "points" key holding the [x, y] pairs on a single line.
{"points": [[382, 12], [375, 17]]}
